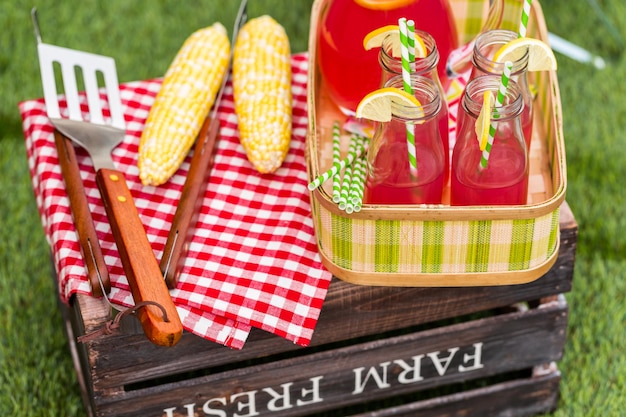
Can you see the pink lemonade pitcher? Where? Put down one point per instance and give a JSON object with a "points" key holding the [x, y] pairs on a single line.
{"points": [[504, 180], [390, 177], [349, 71]]}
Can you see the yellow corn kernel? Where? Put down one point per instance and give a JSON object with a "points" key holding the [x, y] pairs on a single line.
{"points": [[262, 92], [185, 99]]}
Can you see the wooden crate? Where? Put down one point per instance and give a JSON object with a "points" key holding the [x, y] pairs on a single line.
{"points": [[440, 351]]}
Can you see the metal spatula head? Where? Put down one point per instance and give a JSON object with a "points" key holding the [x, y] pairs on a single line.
{"points": [[90, 66]]}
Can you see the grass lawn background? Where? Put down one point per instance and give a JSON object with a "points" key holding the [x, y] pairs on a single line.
{"points": [[36, 372]]}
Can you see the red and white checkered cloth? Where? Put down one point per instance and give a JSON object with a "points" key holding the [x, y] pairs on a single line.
{"points": [[253, 261]]}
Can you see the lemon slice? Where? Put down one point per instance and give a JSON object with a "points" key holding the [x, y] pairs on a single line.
{"points": [[375, 39], [540, 55], [483, 122], [380, 105]]}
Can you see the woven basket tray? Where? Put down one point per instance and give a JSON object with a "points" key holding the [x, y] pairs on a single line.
{"points": [[405, 245]]}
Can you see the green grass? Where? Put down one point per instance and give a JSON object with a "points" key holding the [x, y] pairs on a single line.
{"points": [[37, 377]]}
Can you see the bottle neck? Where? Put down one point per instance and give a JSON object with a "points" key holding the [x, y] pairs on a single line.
{"points": [[485, 47], [426, 91], [473, 98], [391, 62]]}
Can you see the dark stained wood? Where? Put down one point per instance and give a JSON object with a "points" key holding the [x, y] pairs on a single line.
{"points": [[359, 326], [517, 398], [349, 311], [508, 342]]}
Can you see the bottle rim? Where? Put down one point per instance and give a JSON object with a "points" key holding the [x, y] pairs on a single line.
{"points": [[420, 66], [473, 97], [425, 90], [489, 41]]}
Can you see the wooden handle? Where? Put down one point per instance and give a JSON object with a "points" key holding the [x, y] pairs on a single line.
{"points": [[188, 207], [140, 265], [88, 239]]}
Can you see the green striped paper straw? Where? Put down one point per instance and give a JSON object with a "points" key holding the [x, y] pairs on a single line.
{"points": [[337, 167], [355, 141], [404, 54], [504, 84], [336, 158], [524, 20], [410, 38], [358, 179], [406, 78]]}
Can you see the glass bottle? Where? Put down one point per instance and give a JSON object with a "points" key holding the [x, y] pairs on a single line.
{"points": [[504, 180], [486, 45], [348, 70], [390, 177], [391, 65]]}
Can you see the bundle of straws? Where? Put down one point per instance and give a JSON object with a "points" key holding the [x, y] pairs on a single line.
{"points": [[348, 174]]}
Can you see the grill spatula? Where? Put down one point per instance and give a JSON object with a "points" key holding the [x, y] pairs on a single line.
{"points": [[99, 137]]}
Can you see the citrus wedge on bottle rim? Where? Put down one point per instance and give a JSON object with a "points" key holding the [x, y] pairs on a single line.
{"points": [[380, 105], [540, 55], [375, 39], [483, 122]]}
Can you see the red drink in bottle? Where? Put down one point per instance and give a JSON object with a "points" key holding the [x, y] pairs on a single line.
{"points": [[426, 66], [504, 181], [391, 179]]}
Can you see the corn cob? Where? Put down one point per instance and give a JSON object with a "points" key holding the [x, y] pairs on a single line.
{"points": [[262, 92], [186, 96]]}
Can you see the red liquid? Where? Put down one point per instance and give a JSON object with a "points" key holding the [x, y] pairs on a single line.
{"points": [[349, 71], [527, 126], [444, 130], [394, 182], [392, 67], [503, 182]]}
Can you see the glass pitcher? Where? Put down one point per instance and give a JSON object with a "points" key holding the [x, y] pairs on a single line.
{"points": [[349, 71]]}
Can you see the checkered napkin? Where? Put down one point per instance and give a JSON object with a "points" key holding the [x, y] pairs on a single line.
{"points": [[253, 261]]}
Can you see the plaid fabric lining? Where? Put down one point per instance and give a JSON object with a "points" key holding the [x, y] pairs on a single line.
{"points": [[412, 247]]}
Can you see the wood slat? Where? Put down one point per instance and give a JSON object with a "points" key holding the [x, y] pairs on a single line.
{"points": [[365, 371]]}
